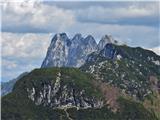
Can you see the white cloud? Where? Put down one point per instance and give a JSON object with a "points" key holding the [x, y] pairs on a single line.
{"points": [[11, 72], [9, 64], [39, 17], [35, 16], [133, 35], [22, 52], [25, 45], [156, 50], [107, 14], [51, 16]]}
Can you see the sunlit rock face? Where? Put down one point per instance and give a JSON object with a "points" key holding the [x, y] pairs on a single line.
{"points": [[59, 95], [57, 53]]}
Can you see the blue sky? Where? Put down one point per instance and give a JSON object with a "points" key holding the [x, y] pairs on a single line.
{"points": [[28, 26]]}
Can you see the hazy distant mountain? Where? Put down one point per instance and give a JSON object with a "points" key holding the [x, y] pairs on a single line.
{"points": [[6, 87]]}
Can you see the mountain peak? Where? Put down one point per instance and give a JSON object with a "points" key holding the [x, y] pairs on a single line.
{"points": [[77, 36], [58, 51], [63, 34], [66, 52], [105, 40], [89, 37], [60, 36], [108, 38]]}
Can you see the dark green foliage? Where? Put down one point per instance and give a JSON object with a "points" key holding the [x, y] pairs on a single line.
{"points": [[131, 110], [130, 73], [17, 106], [93, 114], [6, 87], [20, 108], [69, 76]]}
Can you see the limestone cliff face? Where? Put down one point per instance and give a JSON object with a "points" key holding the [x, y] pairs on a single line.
{"points": [[57, 54], [58, 95], [62, 89]]}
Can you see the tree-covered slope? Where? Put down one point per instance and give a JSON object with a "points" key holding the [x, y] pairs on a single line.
{"points": [[136, 71], [6, 87], [65, 94]]}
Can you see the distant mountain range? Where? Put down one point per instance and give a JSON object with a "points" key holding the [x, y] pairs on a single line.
{"points": [[6, 87], [82, 80]]}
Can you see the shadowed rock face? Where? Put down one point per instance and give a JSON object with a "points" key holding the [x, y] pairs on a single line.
{"points": [[110, 51]]}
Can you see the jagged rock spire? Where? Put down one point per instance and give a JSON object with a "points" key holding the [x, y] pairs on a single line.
{"points": [[66, 52]]}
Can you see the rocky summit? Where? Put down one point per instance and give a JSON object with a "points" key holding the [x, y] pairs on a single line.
{"points": [[67, 52], [63, 51]]}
